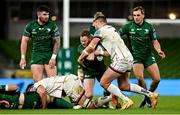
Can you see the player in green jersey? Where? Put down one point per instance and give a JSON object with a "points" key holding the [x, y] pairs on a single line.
{"points": [[142, 35], [95, 67], [11, 99], [45, 38]]}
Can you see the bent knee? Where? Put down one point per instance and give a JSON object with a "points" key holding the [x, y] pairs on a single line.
{"points": [[105, 85], [156, 81], [89, 94]]}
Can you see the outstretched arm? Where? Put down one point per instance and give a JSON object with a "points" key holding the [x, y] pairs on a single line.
{"points": [[10, 87]]}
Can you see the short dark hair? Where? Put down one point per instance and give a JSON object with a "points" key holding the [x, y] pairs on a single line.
{"points": [[85, 33], [43, 8], [29, 87]]}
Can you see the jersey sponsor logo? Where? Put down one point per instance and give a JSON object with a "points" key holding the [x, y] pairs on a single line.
{"points": [[146, 31], [34, 31], [132, 31], [48, 29]]}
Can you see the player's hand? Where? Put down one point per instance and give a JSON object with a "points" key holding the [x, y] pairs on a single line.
{"points": [[80, 61], [22, 63], [161, 54], [5, 103], [52, 63]]}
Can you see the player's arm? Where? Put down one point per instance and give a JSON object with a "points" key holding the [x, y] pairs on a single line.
{"points": [[157, 47], [42, 93], [88, 50], [24, 42], [56, 42], [102, 53], [10, 87]]}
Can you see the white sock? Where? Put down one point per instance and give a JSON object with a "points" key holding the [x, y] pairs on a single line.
{"points": [[136, 88], [117, 92]]}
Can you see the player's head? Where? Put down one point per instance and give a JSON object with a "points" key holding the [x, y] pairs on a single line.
{"points": [[29, 87], [85, 38], [138, 14], [43, 13], [99, 20]]}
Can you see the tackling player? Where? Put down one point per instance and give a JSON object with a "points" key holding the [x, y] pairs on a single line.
{"points": [[121, 62]]}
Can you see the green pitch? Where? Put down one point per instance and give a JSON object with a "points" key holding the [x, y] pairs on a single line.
{"points": [[166, 105]]}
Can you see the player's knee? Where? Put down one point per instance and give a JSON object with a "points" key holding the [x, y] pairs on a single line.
{"points": [[89, 94], [156, 81], [104, 84], [124, 86]]}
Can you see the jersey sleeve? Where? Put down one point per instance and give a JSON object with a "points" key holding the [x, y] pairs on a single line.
{"points": [[55, 31], [153, 33], [27, 30], [124, 29], [98, 34]]}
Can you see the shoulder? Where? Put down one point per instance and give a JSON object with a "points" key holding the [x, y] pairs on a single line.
{"points": [[148, 24], [52, 23]]}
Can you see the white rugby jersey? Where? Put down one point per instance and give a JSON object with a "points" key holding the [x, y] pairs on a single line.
{"points": [[112, 42], [52, 85], [71, 84]]}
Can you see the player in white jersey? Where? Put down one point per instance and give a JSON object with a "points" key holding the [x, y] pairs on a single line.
{"points": [[69, 85], [121, 62]]}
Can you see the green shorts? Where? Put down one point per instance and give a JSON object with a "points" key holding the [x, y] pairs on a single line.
{"points": [[146, 61], [41, 57], [94, 73]]}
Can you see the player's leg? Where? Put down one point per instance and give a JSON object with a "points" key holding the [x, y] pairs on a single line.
{"points": [[89, 87], [37, 71], [106, 80], [51, 71], [153, 71], [124, 85], [138, 70]]}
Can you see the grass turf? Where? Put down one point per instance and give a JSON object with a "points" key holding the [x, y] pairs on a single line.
{"points": [[166, 105]]}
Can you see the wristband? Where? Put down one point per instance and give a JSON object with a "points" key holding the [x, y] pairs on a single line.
{"points": [[22, 56], [53, 56], [158, 50]]}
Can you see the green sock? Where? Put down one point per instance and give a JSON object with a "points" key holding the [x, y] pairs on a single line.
{"points": [[61, 103]]}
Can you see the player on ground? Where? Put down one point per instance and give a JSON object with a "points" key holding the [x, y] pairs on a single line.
{"points": [[121, 62], [11, 99], [142, 35], [45, 38], [71, 86]]}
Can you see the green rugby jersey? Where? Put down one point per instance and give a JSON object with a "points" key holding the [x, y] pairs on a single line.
{"points": [[141, 37], [32, 100], [93, 68], [41, 35]]}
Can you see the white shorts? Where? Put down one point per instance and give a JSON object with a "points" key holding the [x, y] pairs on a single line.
{"points": [[122, 65], [73, 87]]}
